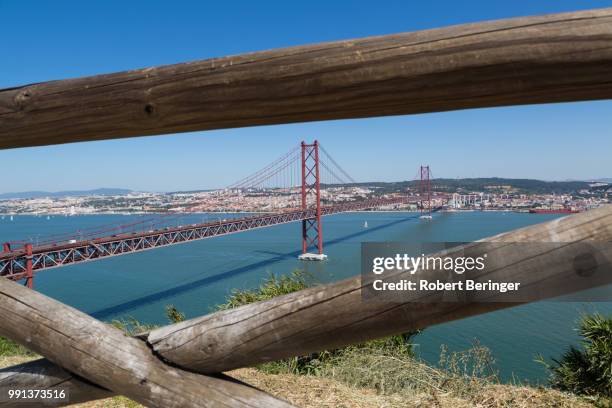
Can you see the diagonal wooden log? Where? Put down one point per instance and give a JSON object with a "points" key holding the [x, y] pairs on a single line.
{"points": [[107, 357], [335, 315], [541, 59]]}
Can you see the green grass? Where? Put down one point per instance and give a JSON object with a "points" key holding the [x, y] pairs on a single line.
{"points": [[272, 287], [9, 348]]}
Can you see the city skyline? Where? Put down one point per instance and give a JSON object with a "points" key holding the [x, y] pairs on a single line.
{"points": [[569, 141]]}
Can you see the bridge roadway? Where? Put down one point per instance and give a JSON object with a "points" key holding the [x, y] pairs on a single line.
{"points": [[13, 264]]}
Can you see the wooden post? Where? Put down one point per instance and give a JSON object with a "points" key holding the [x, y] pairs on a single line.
{"points": [[542, 59], [29, 273]]}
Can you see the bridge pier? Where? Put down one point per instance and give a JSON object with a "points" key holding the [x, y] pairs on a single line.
{"points": [[29, 271], [312, 231]]}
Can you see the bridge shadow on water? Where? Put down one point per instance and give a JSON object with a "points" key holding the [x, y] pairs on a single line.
{"points": [[180, 289]]}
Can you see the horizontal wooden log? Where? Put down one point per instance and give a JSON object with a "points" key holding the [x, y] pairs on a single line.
{"points": [[553, 58], [105, 356]]}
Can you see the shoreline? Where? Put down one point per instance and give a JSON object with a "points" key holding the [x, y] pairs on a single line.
{"points": [[40, 215]]}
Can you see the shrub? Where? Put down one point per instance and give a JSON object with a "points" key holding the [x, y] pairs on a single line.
{"points": [[587, 371], [173, 314], [272, 287]]}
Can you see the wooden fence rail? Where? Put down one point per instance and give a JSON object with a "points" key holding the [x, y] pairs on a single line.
{"points": [[314, 319], [554, 58]]}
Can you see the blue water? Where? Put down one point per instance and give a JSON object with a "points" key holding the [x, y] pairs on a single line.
{"points": [[198, 275]]}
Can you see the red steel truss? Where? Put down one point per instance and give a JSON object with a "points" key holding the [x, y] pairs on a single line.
{"points": [[311, 197], [22, 263]]}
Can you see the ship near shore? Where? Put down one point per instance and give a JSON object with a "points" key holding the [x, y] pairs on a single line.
{"points": [[553, 211]]}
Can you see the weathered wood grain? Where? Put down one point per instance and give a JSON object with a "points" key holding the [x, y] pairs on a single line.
{"points": [[553, 58], [107, 357]]}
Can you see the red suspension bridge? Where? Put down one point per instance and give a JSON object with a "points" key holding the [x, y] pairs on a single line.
{"points": [[297, 175]]}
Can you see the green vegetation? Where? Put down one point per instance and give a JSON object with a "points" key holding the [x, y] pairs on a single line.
{"points": [[9, 348], [272, 287], [173, 314], [134, 327], [131, 326], [587, 371]]}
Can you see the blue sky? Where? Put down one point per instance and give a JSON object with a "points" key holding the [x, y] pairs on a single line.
{"points": [[63, 39]]}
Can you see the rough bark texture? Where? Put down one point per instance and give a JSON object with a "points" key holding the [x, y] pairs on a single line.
{"points": [[554, 58]]}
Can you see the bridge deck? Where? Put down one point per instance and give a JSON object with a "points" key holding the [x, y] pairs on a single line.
{"points": [[13, 263]]}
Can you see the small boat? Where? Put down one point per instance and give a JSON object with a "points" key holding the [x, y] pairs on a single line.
{"points": [[11, 218], [425, 217], [365, 224], [48, 217]]}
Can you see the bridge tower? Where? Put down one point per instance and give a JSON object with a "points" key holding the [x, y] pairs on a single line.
{"points": [[312, 232], [425, 192]]}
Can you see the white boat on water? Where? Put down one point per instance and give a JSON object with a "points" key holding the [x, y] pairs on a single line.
{"points": [[365, 224], [425, 217]]}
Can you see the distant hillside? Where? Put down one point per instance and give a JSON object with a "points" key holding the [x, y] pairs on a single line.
{"points": [[75, 193], [521, 185], [492, 184]]}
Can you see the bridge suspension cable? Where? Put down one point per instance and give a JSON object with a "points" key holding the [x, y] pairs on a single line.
{"points": [[336, 171]]}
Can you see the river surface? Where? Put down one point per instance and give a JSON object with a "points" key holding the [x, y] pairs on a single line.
{"points": [[197, 276]]}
